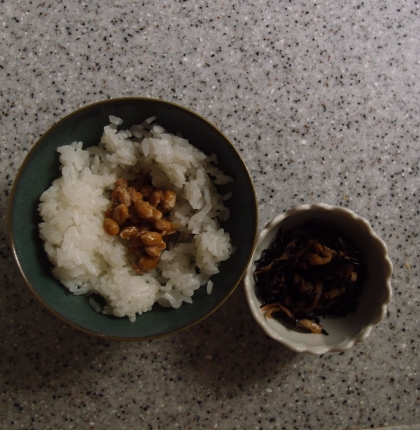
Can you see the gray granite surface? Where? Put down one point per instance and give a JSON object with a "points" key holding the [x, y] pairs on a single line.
{"points": [[322, 101]]}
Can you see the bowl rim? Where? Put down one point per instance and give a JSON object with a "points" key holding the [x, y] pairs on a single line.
{"points": [[254, 307], [26, 160]]}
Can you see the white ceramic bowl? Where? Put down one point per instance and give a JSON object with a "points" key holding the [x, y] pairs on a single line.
{"points": [[356, 326]]}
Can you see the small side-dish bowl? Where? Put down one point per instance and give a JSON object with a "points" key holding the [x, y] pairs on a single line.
{"points": [[343, 332], [41, 167]]}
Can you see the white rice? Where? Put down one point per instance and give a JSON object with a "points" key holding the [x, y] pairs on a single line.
{"points": [[87, 260]]}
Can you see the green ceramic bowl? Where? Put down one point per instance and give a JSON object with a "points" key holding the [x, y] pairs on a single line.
{"points": [[41, 167]]}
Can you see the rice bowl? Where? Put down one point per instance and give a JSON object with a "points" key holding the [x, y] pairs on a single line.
{"points": [[88, 261], [41, 168]]}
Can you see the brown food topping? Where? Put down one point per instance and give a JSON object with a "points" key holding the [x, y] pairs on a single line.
{"points": [[134, 194], [136, 268], [164, 225], [146, 190], [121, 182], [111, 227], [137, 216], [168, 200], [129, 231], [120, 214], [136, 241], [121, 195], [147, 263], [156, 215], [143, 209], [155, 197], [109, 212], [151, 238], [153, 251]]}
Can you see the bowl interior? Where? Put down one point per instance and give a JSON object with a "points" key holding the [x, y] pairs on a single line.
{"points": [[41, 167], [355, 326]]}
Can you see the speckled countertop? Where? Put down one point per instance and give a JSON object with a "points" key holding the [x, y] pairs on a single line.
{"points": [[322, 100]]}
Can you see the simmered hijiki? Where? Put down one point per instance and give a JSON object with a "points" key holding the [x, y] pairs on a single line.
{"points": [[312, 271]]}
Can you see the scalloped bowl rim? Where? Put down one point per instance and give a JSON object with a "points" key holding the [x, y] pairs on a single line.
{"points": [[289, 337]]}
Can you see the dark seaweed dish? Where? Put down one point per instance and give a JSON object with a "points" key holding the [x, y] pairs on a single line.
{"points": [[307, 273]]}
